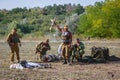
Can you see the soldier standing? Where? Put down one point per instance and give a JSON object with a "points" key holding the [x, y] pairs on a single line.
{"points": [[66, 43], [14, 42]]}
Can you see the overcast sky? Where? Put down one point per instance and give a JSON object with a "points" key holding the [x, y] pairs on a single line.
{"points": [[10, 4]]}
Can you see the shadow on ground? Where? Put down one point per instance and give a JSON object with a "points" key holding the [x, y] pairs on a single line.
{"points": [[90, 60]]}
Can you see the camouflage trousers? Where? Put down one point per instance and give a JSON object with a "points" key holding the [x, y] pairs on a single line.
{"points": [[40, 55], [77, 54], [14, 50]]}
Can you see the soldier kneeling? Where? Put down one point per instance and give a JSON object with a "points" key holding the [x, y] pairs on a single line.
{"points": [[42, 48], [77, 50]]}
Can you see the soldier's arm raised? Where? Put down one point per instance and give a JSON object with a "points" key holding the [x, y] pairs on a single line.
{"points": [[58, 27]]}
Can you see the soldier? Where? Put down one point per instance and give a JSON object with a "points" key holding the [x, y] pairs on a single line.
{"points": [[78, 50], [14, 42], [42, 48], [66, 43]]}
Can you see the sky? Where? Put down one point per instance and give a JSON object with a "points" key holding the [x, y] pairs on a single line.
{"points": [[10, 4]]}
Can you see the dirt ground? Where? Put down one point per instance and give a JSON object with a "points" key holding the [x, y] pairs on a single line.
{"points": [[77, 71]]}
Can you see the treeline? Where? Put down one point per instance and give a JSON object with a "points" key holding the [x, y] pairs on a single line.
{"points": [[99, 20], [36, 21]]}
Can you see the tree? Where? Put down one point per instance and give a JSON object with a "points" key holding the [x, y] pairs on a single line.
{"points": [[101, 20], [78, 9]]}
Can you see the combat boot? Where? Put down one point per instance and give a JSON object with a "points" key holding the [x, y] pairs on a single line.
{"points": [[69, 62], [18, 61], [65, 62]]}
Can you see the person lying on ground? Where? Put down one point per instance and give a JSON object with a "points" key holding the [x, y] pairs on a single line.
{"points": [[29, 65]]}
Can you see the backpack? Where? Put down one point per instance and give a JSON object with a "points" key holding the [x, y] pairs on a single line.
{"points": [[100, 53]]}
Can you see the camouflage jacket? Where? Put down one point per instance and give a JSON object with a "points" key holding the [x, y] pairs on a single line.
{"points": [[81, 46], [13, 38], [43, 47]]}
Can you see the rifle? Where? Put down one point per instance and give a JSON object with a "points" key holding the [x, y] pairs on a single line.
{"points": [[52, 23]]}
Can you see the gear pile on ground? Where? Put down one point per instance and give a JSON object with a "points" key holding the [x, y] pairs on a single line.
{"points": [[98, 55]]}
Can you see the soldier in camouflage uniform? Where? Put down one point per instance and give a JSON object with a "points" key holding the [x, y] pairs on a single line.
{"points": [[66, 43], [14, 42], [42, 48], [77, 50]]}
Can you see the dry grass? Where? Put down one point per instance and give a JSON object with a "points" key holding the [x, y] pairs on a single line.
{"points": [[78, 71]]}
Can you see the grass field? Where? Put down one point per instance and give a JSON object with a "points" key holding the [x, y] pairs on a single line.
{"points": [[77, 71]]}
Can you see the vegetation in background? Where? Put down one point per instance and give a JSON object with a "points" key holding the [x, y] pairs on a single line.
{"points": [[36, 21], [99, 20]]}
